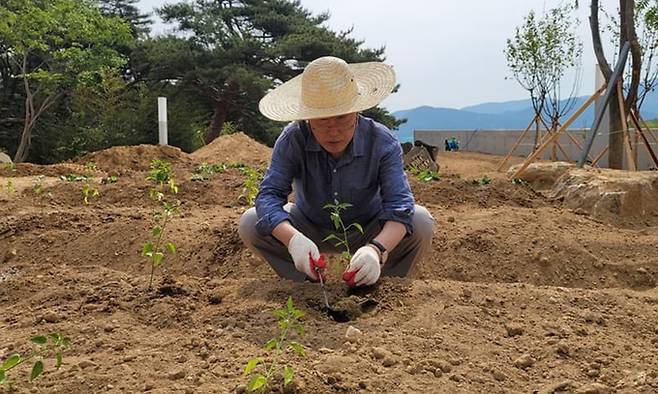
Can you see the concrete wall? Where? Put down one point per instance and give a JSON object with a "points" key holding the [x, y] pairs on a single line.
{"points": [[500, 142]]}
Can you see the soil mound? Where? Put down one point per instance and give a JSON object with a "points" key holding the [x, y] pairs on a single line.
{"points": [[237, 147], [135, 158], [610, 194]]}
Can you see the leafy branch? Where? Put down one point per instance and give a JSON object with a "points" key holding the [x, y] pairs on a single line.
{"points": [[51, 345]]}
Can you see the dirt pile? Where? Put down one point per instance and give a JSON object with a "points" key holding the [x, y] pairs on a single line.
{"points": [[518, 294], [237, 147], [134, 158]]}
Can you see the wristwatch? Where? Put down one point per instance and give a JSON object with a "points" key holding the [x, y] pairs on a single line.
{"points": [[383, 253]]}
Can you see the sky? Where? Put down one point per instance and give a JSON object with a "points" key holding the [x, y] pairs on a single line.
{"points": [[446, 53]]}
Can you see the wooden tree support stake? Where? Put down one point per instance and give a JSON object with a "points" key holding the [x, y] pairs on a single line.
{"points": [[554, 136]]}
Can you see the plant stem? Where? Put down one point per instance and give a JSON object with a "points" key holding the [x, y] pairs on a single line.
{"points": [[157, 246]]}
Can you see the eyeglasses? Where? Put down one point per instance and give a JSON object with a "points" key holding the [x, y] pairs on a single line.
{"points": [[341, 123]]}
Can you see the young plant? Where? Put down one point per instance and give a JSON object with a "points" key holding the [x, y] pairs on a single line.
{"points": [[485, 180], [288, 321], [109, 179], [9, 166], [341, 239], [162, 175], [250, 185], [37, 188], [89, 192], [74, 178], [11, 189], [50, 345], [428, 175], [154, 250], [203, 172], [90, 166]]}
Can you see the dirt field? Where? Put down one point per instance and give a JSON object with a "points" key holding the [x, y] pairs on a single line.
{"points": [[519, 294]]}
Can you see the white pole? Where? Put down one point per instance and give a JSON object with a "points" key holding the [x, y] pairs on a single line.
{"points": [[162, 120]]}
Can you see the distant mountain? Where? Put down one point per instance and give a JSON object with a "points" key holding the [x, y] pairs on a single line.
{"points": [[503, 115]]}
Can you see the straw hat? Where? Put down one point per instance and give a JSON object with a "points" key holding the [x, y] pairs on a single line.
{"points": [[329, 87]]}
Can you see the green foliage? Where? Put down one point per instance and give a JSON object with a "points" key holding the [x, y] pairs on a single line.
{"points": [[161, 174], [425, 175], [90, 166], [341, 239], [55, 46], [203, 172], [109, 179], [156, 249], [74, 177], [519, 181], [288, 320], [44, 346], [89, 192], [485, 180], [250, 185], [540, 53]]}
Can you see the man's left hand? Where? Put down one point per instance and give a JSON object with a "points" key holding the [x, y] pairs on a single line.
{"points": [[364, 269]]}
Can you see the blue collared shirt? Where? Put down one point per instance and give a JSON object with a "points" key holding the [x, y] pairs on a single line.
{"points": [[369, 175]]}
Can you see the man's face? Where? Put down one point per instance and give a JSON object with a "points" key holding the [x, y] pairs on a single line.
{"points": [[335, 133]]}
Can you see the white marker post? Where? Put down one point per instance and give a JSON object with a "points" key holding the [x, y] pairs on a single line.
{"points": [[162, 121]]}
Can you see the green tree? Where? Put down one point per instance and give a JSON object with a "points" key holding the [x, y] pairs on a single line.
{"points": [[140, 23], [539, 54], [55, 46], [230, 53]]}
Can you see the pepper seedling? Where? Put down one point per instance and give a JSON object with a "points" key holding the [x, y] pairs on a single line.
{"points": [[51, 345], [288, 319]]}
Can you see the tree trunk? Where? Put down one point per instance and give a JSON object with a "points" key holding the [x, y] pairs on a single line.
{"points": [[615, 138], [628, 14], [218, 119], [26, 139]]}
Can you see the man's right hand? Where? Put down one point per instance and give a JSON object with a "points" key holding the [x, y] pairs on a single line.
{"points": [[302, 250]]}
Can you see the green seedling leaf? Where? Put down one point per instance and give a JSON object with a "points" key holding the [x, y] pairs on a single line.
{"points": [[171, 247], [287, 375], [37, 369], [257, 382], [39, 340], [298, 348], [271, 344], [11, 362], [157, 258], [3, 376], [253, 363], [58, 357], [157, 230], [289, 304], [358, 227], [147, 250]]}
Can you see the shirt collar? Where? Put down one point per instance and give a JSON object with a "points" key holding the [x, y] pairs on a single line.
{"points": [[354, 149]]}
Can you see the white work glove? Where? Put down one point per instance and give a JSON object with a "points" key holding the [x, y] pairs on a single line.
{"points": [[364, 269], [302, 250]]}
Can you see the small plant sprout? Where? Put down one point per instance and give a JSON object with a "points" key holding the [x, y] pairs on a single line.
{"points": [[428, 175], [109, 179], [250, 185], [289, 322], [89, 192], [485, 180], [51, 345], [341, 240], [162, 175], [74, 178], [519, 181], [90, 166], [11, 189], [203, 172], [37, 188], [155, 250]]}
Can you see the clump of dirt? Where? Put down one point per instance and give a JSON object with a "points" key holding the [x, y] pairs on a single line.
{"points": [[134, 158], [237, 147]]}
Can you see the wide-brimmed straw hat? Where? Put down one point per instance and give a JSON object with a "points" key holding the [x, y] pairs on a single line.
{"points": [[329, 87]]}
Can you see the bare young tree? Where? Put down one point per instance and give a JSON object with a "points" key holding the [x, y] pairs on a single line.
{"points": [[539, 55]]}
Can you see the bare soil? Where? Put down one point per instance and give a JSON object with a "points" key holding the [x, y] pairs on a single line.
{"points": [[519, 294]]}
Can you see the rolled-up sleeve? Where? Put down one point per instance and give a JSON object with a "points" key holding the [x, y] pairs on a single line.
{"points": [[277, 184], [397, 200]]}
